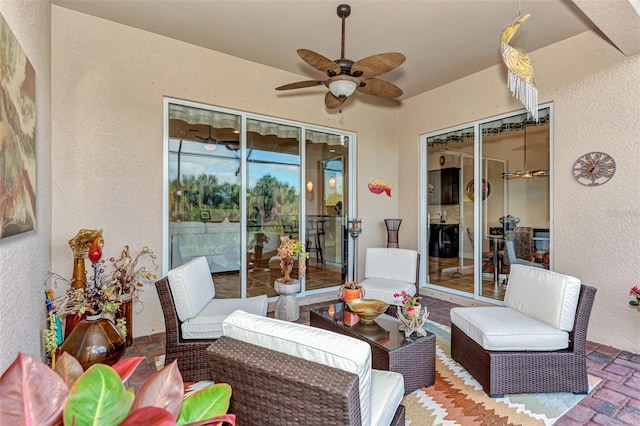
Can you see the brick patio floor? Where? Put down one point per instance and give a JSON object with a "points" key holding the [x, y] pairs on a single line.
{"points": [[615, 400]]}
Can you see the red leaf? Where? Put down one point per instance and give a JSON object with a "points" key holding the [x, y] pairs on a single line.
{"points": [[31, 393], [68, 368], [126, 367], [164, 389], [152, 416]]}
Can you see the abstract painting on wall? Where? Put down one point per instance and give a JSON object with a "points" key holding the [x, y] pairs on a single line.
{"points": [[17, 136]]}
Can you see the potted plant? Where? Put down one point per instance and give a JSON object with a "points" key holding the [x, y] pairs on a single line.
{"points": [[350, 290], [411, 304], [288, 251], [103, 297], [32, 393]]}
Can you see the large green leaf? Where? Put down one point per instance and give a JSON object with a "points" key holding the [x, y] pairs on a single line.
{"points": [[68, 368], [31, 393], [217, 421], [164, 389], [98, 398], [206, 403]]}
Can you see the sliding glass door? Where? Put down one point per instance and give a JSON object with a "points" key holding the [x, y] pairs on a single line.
{"points": [[486, 203], [237, 183]]}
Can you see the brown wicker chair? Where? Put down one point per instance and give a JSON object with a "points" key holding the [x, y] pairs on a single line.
{"points": [[505, 372], [273, 388], [190, 353]]}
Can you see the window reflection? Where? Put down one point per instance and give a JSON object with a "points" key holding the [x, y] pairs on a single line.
{"points": [[204, 193]]}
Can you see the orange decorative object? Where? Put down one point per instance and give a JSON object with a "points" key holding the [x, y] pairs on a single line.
{"points": [[95, 252], [351, 294]]}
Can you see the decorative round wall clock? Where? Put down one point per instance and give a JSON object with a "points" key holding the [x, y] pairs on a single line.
{"points": [[594, 168]]}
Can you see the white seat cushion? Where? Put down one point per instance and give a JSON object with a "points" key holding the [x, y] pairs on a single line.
{"points": [[384, 289], [208, 324], [387, 391], [499, 328], [192, 287], [310, 343], [391, 263], [544, 295]]}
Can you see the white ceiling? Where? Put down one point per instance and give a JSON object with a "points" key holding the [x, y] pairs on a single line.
{"points": [[443, 40]]}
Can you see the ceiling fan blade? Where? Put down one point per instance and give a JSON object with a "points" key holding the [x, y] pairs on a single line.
{"points": [[376, 65], [319, 62], [381, 88], [300, 84], [331, 101]]}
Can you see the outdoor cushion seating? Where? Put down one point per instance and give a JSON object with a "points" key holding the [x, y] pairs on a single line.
{"points": [[286, 373], [390, 271], [535, 343], [217, 241], [193, 317]]}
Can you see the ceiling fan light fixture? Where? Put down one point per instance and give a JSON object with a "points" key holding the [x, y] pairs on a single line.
{"points": [[209, 147], [342, 86]]}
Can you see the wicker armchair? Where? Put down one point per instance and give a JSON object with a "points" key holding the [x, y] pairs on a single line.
{"points": [[193, 316], [191, 354], [273, 388], [509, 372]]}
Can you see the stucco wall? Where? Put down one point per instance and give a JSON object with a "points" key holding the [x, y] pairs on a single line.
{"points": [[595, 91], [109, 81], [25, 258]]}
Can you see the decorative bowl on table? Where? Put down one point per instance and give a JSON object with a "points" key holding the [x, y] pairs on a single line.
{"points": [[367, 309]]}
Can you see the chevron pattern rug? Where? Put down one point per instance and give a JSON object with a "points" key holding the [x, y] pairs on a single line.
{"points": [[458, 399]]}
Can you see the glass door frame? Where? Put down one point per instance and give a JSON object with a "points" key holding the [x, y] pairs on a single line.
{"points": [[478, 211], [350, 213]]}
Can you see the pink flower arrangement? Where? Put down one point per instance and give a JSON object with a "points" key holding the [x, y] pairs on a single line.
{"points": [[409, 302], [634, 292]]}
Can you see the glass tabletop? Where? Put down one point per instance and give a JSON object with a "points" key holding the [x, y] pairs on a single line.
{"points": [[382, 331]]}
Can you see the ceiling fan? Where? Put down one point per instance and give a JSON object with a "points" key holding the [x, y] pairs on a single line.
{"points": [[346, 76], [210, 141]]}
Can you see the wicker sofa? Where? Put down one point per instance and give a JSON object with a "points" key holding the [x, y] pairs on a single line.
{"points": [[536, 343], [284, 373]]}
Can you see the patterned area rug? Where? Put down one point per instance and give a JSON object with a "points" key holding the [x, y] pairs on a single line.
{"points": [[458, 399]]}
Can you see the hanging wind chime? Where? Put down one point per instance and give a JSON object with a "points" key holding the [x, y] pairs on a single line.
{"points": [[521, 79]]}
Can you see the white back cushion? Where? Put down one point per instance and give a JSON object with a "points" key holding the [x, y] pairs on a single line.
{"points": [[391, 263], [310, 343], [544, 295], [192, 287]]}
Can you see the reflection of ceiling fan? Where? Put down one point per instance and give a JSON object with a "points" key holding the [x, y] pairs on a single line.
{"points": [[346, 76], [231, 145]]}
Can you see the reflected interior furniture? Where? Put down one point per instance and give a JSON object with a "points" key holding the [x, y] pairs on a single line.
{"points": [[193, 317], [536, 343], [390, 271], [519, 248], [315, 237], [219, 242], [414, 357], [262, 247], [285, 373], [487, 256], [444, 240]]}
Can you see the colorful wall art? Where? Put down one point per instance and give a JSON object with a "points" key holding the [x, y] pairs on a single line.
{"points": [[378, 186], [17, 136]]}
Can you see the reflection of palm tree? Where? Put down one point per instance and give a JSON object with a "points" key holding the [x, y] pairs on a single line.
{"points": [[273, 197]]}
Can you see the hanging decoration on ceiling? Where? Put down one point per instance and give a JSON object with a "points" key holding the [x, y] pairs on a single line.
{"points": [[378, 186], [521, 78]]}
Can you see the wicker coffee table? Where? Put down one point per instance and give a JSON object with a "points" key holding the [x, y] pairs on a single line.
{"points": [[414, 357]]}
